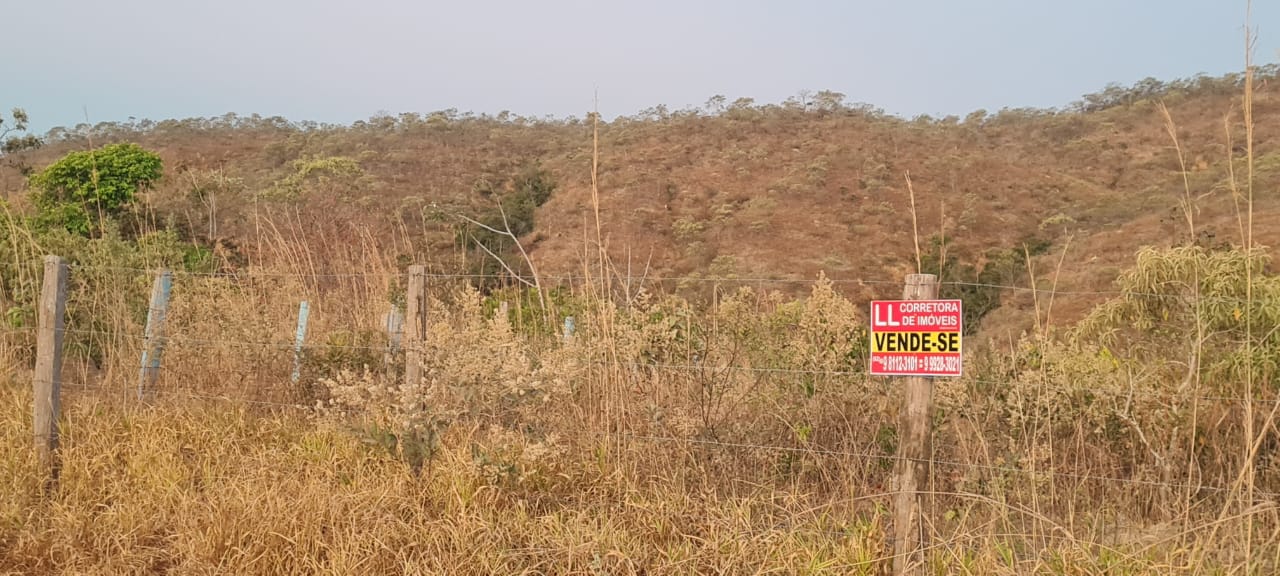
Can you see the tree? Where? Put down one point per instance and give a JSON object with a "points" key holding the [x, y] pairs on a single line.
{"points": [[976, 117], [979, 287], [16, 143], [829, 101], [716, 104], [102, 182], [497, 230], [11, 142]]}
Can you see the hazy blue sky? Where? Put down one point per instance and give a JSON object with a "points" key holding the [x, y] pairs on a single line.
{"points": [[342, 61]]}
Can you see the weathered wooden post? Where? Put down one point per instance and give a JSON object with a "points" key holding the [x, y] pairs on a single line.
{"points": [[915, 451], [300, 336], [416, 317], [47, 381], [154, 340]]}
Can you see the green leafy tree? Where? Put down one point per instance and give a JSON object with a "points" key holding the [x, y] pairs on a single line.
{"points": [[979, 287], [10, 140], [14, 138], [102, 182], [524, 193], [516, 199]]}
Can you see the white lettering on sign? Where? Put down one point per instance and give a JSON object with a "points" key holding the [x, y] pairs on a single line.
{"points": [[887, 320], [901, 363], [929, 307]]}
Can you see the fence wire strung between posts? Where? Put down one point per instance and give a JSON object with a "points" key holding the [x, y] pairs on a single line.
{"points": [[283, 345], [289, 352], [656, 279], [298, 344]]}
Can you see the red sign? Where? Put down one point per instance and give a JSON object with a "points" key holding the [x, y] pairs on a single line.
{"points": [[915, 337]]}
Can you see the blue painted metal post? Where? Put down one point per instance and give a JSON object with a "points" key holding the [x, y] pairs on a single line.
{"points": [[568, 328], [393, 325], [304, 310], [393, 322], [154, 340]]}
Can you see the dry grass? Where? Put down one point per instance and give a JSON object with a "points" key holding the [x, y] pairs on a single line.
{"points": [[192, 489], [713, 468]]}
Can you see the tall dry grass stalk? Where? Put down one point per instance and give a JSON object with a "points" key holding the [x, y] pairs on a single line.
{"points": [[1189, 210], [599, 273], [915, 228], [1244, 500], [1246, 476], [1268, 424]]}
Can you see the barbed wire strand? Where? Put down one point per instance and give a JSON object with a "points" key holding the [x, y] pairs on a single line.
{"points": [[783, 527], [288, 346], [656, 279], [285, 345]]}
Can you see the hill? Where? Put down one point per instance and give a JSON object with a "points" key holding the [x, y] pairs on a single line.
{"points": [[735, 191]]}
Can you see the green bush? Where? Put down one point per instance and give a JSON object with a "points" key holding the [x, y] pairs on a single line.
{"points": [[100, 182], [979, 288], [112, 273], [517, 199]]}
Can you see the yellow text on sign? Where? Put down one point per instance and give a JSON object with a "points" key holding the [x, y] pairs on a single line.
{"points": [[942, 342]]}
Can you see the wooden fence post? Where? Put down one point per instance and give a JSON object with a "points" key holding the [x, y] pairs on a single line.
{"points": [[47, 382], [915, 451], [300, 336], [416, 320], [154, 340]]}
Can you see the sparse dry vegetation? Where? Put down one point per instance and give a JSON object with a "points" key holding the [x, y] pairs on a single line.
{"points": [[710, 413]]}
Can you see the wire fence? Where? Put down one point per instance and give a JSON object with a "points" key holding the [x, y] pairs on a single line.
{"points": [[294, 347], [291, 347], [656, 278], [811, 450]]}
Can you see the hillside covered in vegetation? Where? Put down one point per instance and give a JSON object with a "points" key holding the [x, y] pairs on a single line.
{"points": [[735, 190]]}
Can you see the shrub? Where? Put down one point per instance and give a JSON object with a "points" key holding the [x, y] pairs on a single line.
{"points": [[327, 174], [686, 229], [102, 182], [979, 288], [517, 199]]}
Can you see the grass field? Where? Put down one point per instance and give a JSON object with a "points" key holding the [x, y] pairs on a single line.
{"points": [[661, 439], [211, 488]]}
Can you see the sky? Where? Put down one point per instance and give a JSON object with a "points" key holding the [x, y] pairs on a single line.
{"points": [[338, 62]]}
